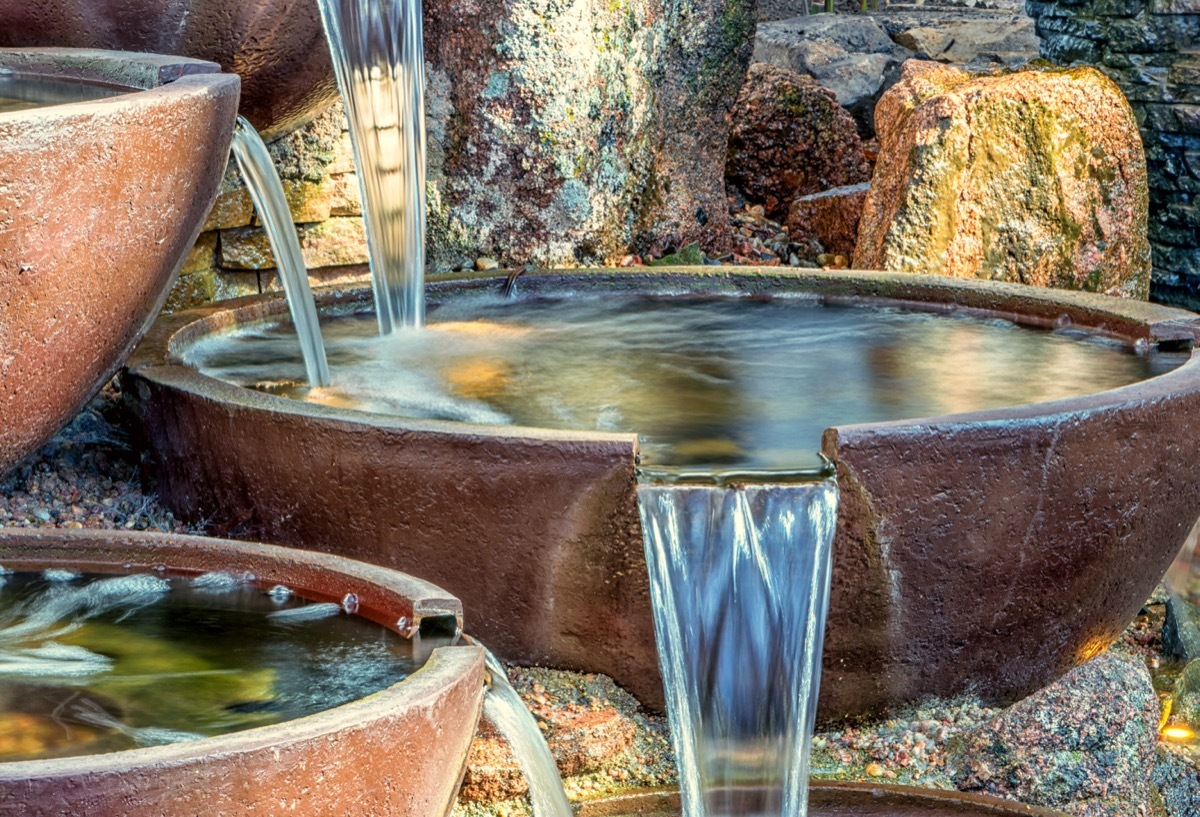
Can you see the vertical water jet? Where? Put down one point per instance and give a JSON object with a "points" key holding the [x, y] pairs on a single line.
{"points": [[739, 584], [378, 58]]}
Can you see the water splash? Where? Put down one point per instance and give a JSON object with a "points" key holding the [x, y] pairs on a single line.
{"points": [[505, 709], [266, 191], [378, 57], [739, 583], [309, 612]]}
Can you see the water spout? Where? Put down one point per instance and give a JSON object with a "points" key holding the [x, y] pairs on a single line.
{"points": [[378, 57], [505, 709], [739, 583], [271, 204]]}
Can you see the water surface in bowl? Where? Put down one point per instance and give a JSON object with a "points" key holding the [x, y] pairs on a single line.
{"points": [[19, 92], [92, 663], [723, 382]]}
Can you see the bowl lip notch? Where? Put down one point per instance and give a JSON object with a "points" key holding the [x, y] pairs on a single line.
{"points": [[380, 589], [159, 358]]}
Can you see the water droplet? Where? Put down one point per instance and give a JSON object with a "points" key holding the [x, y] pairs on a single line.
{"points": [[279, 593], [350, 603]]}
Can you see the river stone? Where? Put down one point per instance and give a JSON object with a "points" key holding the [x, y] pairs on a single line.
{"points": [[566, 131], [831, 217], [1035, 177], [851, 55], [790, 138], [1085, 745]]}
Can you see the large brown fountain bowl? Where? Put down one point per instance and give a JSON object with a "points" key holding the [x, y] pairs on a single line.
{"points": [[986, 553], [840, 800], [401, 751], [276, 46], [99, 203]]}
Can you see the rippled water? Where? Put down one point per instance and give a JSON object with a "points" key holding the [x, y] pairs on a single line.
{"points": [[705, 381], [92, 664]]}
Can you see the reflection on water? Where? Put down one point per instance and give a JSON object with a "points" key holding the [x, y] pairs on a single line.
{"points": [[713, 381], [19, 93], [92, 664]]}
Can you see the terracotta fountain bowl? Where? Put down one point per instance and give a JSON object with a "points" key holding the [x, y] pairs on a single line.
{"points": [[99, 203], [400, 752], [277, 47], [987, 552]]}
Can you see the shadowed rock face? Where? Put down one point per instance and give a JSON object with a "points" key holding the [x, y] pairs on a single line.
{"points": [[98, 206], [1035, 177], [277, 47], [562, 131]]}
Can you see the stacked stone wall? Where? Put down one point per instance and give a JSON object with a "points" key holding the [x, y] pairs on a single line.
{"points": [[1151, 48]]}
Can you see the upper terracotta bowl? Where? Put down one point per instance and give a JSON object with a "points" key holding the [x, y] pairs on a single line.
{"points": [[276, 46], [987, 552], [99, 203], [400, 751]]}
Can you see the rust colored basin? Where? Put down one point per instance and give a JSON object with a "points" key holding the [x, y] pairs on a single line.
{"points": [[99, 203], [841, 800], [401, 751], [276, 46], [986, 552]]}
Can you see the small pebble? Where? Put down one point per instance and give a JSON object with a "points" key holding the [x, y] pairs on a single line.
{"points": [[485, 263]]}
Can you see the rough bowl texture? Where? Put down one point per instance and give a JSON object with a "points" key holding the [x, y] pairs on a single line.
{"points": [[99, 203], [276, 46], [987, 552], [841, 800], [401, 751]]}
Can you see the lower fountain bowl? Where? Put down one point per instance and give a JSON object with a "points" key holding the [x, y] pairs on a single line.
{"points": [[99, 205], [401, 751], [840, 800], [984, 553]]}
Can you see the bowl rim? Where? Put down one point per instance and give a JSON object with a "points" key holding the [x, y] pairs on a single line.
{"points": [[159, 357], [98, 549]]}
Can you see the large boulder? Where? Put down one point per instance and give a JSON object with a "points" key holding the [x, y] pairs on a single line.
{"points": [[568, 131], [790, 138], [1035, 177], [1085, 745], [851, 55], [830, 217]]}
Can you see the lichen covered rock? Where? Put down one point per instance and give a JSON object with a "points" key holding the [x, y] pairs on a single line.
{"points": [[1085, 745], [790, 138], [565, 130], [1036, 177]]}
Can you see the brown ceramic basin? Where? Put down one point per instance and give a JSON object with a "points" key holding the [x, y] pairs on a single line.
{"points": [[99, 203], [986, 552], [276, 46], [841, 800], [401, 751]]}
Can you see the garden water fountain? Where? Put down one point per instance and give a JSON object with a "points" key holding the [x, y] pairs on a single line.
{"points": [[903, 557]]}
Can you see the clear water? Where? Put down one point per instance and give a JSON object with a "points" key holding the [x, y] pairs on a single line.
{"points": [[270, 202], [92, 664], [739, 585], [379, 59], [718, 382], [19, 92], [507, 712]]}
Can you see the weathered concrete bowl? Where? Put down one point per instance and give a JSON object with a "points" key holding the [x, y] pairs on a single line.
{"points": [[840, 800], [401, 751], [987, 552], [99, 203], [277, 47]]}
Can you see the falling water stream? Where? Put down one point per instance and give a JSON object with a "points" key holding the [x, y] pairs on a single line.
{"points": [[266, 191], [379, 59]]}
